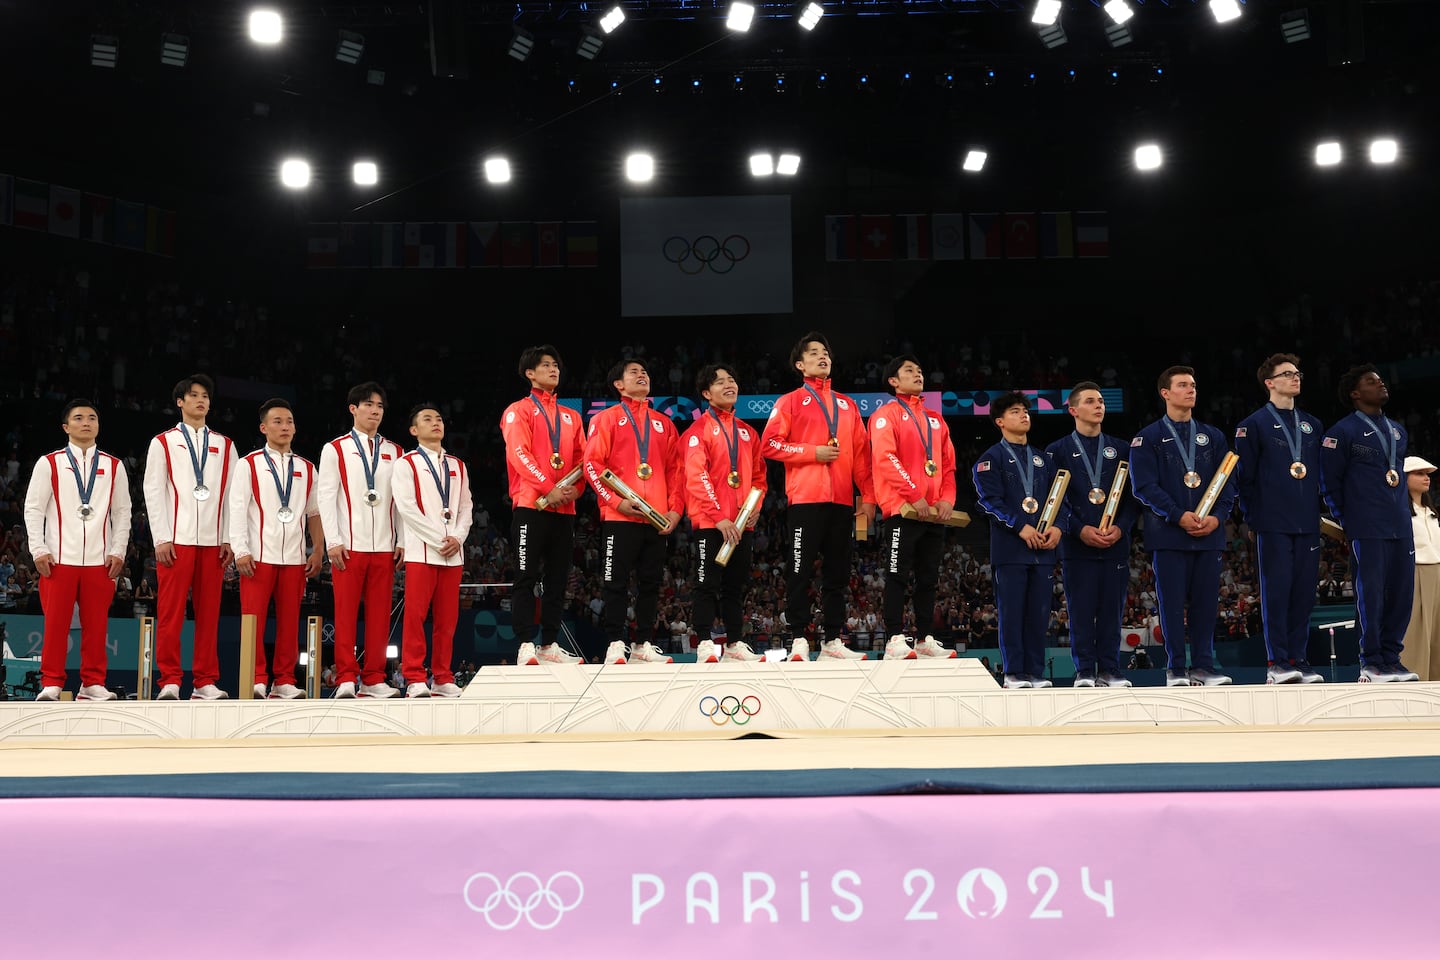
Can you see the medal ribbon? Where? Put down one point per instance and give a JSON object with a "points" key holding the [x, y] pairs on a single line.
{"points": [[554, 429], [197, 462], [1187, 454], [641, 445], [732, 442], [85, 488], [832, 416], [1092, 470], [1388, 443], [1292, 441], [284, 493], [444, 491], [1027, 468], [371, 464], [926, 435]]}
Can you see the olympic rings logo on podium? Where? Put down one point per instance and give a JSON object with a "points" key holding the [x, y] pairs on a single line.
{"points": [[729, 708], [693, 257], [524, 897]]}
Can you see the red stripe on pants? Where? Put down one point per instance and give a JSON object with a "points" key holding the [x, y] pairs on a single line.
{"points": [[369, 577], [286, 582], [93, 588], [427, 586], [197, 574]]}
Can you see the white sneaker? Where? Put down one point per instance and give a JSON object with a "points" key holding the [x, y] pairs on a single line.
{"points": [[48, 694], [1040, 683], [836, 648], [800, 649], [345, 691], [287, 691], [551, 653], [740, 650], [1017, 681], [1085, 681], [705, 652], [171, 691], [209, 692], [648, 653], [930, 647], [526, 657], [447, 690], [416, 690], [615, 653], [259, 691], [96, 691], [378, 691], [898, 648]]}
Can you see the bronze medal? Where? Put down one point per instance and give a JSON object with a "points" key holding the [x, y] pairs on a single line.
{"points": [[1192, 479], [1297, 470], [1392, 478], [1030, 505], [733, 480], [1096, 496], [644, 472]]}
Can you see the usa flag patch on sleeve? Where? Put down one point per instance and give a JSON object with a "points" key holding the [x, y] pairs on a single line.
{"points": [[982, 466], [1329, 442], [1239, 432], [1138, 441]]}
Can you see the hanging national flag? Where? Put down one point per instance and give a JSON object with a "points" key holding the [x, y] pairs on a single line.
{"points": [[97, 221], [1021, 239], [322, 246], [840, 238], [129, 225], [1057, 236], [387, 245], [160, 232], [876, 236], [354, 245], [705, 256], [1092, 234], [32, 205], [429, 244], [987, 238], [411, 256], [519, 240], [582, 243], [949, 233], [912, 237], [6, 198], [451, 243], [64, 212], [548, 244], [483, 244]]}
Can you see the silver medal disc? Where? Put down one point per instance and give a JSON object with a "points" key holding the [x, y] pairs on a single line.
{"points": [[285, 514], [202, 492], [372, 497], [86, 511]]}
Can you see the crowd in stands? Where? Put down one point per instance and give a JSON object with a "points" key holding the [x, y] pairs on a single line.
{"points": [[67, 333]]}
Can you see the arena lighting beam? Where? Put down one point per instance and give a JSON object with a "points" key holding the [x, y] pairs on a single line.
{"points": [[974, 161], [295, 174], [497, 170], [808, 14], [740, 17], [266, 27], [612, 19], [788, 165], [1225, 10], [1119, 11], [1148, 157], [761, 164], [640, 168], [1046, 12], [365, 173], [1384, 150], [1328, 154]]}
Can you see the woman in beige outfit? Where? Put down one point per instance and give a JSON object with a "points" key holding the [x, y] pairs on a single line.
{"points": [[1422, 639]]}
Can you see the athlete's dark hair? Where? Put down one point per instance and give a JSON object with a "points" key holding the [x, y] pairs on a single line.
{"points": [[1001, 404], [617, 372], [271, 404], [1078, 389], [1267, 368], [709, 373], [530, 358], [1168, 375], [194, 380], [421, 407], [892, 369], [364, 391], [1350, 379], [814, 336], [73, 404]]}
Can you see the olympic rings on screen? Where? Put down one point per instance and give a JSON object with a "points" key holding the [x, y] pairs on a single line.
{"points": [[730, 708], [692, 257], [760, 406], [524, 897]]}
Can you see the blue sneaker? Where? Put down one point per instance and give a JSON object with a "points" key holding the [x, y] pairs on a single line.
{"points": [[1205, 677], [1308, 673], [1402, 673]]}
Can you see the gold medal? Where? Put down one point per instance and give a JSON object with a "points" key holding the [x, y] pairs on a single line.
{"points": [[1297, 470], [1192, 479], [1392, 478], [557, 461], [833, 442], [1096, 496], [1030, 505], [930, 468], [643, 471], [733, 480]]}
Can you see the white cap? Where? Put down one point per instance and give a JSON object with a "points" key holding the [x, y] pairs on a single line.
{"points": [[1413, 464]]}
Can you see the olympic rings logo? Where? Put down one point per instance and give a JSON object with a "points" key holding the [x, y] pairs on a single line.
{"points": [[730, 708], [693, 257], [761, 406], [524, 897]]}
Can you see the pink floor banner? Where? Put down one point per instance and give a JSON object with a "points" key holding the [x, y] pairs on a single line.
{"points": [[1174, 875]]}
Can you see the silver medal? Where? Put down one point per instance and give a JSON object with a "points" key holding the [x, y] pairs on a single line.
{"points": [[202, 492], [86, 511], [285, 514], [372, 497]]}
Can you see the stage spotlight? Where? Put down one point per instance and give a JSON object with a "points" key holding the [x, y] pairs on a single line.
{"points": [[974, 161], [1118, 34], [989, 79], [266, 27], [1327, 154], [761, 164], [521, 43], [375, 77], [174, 49], [613, 19], [1046, 12], [497, 170], [808, 15], [1295, 25], [788, 165], [1119, 11], [1112, 78], [365, 173], [1224, 10], [821, 80], [295, 174], [104, 50], [740, 17], [350, 48], [572, 85], [946, 80], [591, 42], [1148, 157], [640, 168], [862, 82], [1053, 36], [657, 83], [1157, 74], [738, 83], [780, 83], [697, 85], [1030, 79], [1383, 151], [1070, 75]]}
